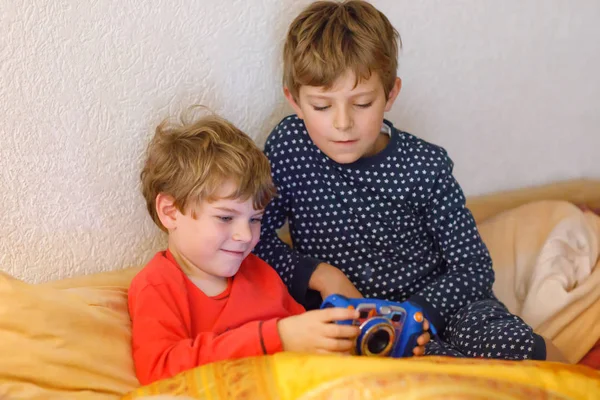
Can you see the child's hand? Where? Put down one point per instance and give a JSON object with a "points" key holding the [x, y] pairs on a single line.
{"points": [[315, 332], [328, 280], [422, 340]]}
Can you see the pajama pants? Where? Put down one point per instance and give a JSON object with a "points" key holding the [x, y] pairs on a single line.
{"points": [[487, 329]]}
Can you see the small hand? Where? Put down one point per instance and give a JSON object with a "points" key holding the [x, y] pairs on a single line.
{"points": [[422, 340], [316, 331], [328, 280]]}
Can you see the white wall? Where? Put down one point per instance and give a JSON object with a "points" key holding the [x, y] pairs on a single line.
{"points": [[509, 88]]}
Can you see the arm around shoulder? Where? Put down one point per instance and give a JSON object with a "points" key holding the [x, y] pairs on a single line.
{"points": [[294, 268]]}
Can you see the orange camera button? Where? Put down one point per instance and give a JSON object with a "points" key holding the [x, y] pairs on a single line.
{"points": [[418, 316]]}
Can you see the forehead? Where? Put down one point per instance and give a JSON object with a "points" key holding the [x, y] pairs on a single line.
{"points": [[221, 201], [345, 85]]}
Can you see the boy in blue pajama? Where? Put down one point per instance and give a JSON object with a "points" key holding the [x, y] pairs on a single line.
{"points": [[374, 211]]}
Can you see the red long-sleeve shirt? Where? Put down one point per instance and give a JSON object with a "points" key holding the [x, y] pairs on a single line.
{"points": [[175, 326]]}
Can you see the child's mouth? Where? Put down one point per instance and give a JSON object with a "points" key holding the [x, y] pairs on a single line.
{"points": [[234, 253], [345, 142]]}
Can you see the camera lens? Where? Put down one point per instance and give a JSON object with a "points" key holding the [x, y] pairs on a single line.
{"points": [[378, 341]]}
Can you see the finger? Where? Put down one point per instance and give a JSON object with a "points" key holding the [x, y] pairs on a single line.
{"points": [[425, 325], [337, 345], [340, 331], [337, 353], [419, 351], [337, 314], [424, 339]]}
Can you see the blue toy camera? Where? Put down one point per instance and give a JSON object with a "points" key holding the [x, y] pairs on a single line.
{"points": [[387, 329]]}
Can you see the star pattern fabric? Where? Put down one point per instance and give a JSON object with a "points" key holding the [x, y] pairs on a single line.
{"points": [[486, 329], [395, 223]]}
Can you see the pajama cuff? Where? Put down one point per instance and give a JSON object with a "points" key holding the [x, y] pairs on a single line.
{"points": [[539, 348], [298, 286]]}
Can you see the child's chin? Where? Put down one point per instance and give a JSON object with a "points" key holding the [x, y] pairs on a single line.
{"points": [[346, 158], [230, 272]]}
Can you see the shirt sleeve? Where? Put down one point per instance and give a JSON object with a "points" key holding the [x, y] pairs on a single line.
{"points": [[469, 275], [163, 347], [294, 268]]}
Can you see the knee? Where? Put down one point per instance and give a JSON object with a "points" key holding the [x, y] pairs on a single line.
{"points": [[476, 309]]}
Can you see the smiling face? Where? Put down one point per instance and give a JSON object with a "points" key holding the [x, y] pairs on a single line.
{"points": [[212, 243], [344, 121]]}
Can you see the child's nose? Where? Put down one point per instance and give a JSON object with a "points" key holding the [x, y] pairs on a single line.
{"points": [[342, 120], [242, 233]]}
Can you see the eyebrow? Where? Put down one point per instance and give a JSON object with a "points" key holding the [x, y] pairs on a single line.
{"points": [[227, 209], [236, 212], [325, 97]]}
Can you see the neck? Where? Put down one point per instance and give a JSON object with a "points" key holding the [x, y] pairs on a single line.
{"points": [[380, 144], [209, 284]]}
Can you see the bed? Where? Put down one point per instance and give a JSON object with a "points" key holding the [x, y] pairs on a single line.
{"points": [[70, 339]]}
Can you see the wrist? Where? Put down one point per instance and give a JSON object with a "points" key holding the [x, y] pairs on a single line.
{"points": [[281, 327], [270, 336], [318, 279]]}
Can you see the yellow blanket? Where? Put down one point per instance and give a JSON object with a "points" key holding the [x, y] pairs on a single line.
{"points": [[288, 376]]}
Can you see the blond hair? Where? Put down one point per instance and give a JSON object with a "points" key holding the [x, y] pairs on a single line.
{"points": [[190, 161], [329, 38]]}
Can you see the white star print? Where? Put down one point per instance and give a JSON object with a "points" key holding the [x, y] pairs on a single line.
{"points": [[399, 219]]}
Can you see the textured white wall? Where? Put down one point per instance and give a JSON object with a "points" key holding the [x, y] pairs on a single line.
{"points": [[509, 88]]}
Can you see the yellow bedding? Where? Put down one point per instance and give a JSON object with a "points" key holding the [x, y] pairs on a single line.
{"points": [[547, 271], [70, 340], [288, 376]]}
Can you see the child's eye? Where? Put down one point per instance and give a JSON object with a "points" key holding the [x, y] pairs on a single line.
{"points": [[321, 108], [366, 105], [256, 220], [225, 219]]}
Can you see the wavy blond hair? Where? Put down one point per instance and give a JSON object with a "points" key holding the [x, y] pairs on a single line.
{"points": [[190, 161], [329, 38]]}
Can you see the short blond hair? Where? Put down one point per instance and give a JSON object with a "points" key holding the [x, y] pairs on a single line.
{"points": [[190, 161], [329, 38]]}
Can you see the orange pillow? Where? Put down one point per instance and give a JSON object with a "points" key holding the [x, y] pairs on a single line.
{"points": [[64, 344]]}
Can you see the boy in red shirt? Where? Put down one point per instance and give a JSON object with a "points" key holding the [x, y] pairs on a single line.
{"points": [[206, 297]]}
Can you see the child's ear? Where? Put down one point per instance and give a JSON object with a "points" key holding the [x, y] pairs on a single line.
{"points": [[166, 210], [393, 94], [292, 102]]}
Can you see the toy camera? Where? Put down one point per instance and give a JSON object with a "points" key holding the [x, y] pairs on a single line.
{"points": [[387, 329]]}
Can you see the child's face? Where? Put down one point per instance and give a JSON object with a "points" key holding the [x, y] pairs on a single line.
{"points": [[215, 243], [345, 121]]}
